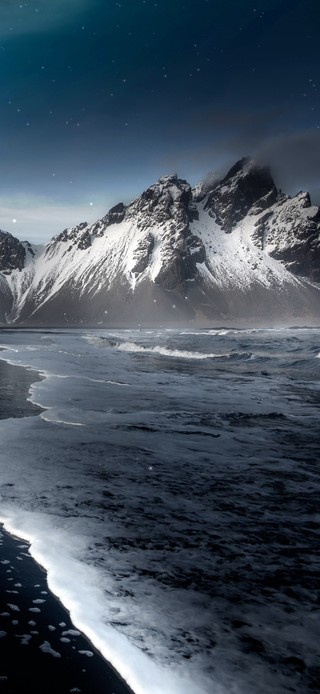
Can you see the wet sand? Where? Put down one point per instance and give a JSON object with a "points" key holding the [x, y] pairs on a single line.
{"points": [[15, 382], [40, 649]]}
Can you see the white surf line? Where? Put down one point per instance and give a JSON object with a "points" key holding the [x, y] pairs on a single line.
{"points": [[136, 668], [60, 421]]}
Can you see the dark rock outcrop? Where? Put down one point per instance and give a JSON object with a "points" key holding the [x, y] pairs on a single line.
{"points": [[169, 205], [245, 185], [84, 240], [170, 199], [115, 215], [291, 233], [12, 253], [72, 234], [142, 254]]}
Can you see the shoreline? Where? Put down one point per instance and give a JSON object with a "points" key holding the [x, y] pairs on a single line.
{"points": [[15, 384], [26, 638], [188, 325], [41, 649]]}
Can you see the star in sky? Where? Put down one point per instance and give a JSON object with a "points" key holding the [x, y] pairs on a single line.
{"points": [[112, 95]]}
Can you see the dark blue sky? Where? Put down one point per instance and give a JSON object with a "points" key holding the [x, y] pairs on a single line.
{"points": [[99, 98]]}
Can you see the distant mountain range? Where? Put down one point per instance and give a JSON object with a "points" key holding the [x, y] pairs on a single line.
{"points": [[234, 250]]}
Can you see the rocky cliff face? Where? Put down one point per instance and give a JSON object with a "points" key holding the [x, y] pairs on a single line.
{"points": [[236, 248], [245, 185], [168, 205], [289, 231], [12, 253]]}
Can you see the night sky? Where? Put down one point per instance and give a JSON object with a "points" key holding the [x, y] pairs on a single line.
{"points": [[99, 98]]}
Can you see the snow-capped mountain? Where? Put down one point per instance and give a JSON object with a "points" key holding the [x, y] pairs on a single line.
{"points": [[235, 250]]}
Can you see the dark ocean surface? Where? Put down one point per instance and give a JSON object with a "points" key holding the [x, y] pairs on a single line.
{"points": [[170, 487]]}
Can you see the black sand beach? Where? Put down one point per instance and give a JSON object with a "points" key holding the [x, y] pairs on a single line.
{"points": [[15, 382], [40, 650]]}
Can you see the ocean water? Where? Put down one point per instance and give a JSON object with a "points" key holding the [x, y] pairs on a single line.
{"points": [[170, 487]]}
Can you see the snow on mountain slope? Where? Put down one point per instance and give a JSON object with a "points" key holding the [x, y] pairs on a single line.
{"points": [[62, 263], [233, 260], [20, 280], [235, 247], [289, 231]]}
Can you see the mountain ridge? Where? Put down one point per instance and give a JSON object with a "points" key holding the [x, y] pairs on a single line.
{"points": [[233, 248]]}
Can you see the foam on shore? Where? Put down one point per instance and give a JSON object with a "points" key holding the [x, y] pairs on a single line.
{"points": [[41, 650], [77, 586]]}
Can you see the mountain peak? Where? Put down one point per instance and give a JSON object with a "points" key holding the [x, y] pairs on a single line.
{"points": [[233, 247], [242, 165], [166, 186], [249, 167], [168, 180], [167, 199], [246, 184]]}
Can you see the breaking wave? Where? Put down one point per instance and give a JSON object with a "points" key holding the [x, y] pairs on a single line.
{"points": [[164, 351]]}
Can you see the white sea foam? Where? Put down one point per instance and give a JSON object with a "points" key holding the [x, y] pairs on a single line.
{"points": [[50, 471], [103, 342], [166, 352], [50, 417], [134, 347], [180, 354], [57, 550], [47, 648]]}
